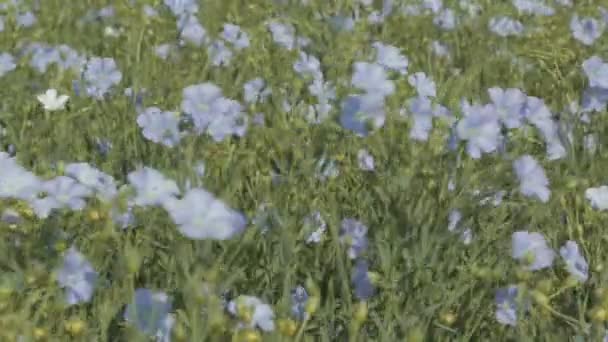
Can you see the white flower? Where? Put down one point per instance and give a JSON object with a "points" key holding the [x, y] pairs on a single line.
{"points": [[51, 101]]}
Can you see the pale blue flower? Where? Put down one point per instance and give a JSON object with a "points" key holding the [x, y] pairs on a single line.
{"points": [[148, 311], [505, 26], [182, 7], [372, 78], [598, 197], [159, 126], [7, 63], [43, 56], [365, 160], [391, 58], [191, 30], [532, 179], [283, 34], [433, 5], [163, 50], [480, 128], [326, 168], [423, 84], [219, 53], [508, 304], [102, 183], [15, 181], [100, 75], [535, 7], [353, 233], [363, 113], [308, 66], [508, 104], [27, 19], [262, 314], [152, 187], [453, 219], [594, 99], [364, 289], [316, 225], [575, 263], [235, 36], [299, 297], [228, 119], [61, 192], [200, 215], [532, 245], [422, 114], [586, 30], [446, 19], [77, 276], [597, 72], [256, 90]]}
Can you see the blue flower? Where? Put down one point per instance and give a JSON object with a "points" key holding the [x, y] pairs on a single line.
{"points": [[262, 315], [299, 296], [100, 75], [446, 19], [576, 264], [423, 84], [508, 303], [534, 7], [364, 289], [182, 7], [200, 215], [77, 276], [505, 26], [283, 34], [361, 113], [197, 102], [391, 58], [15, 181], [7, 63], [480, 128], [191, 30], [365, 160], [160, 127], [354, 234], [43, 56], [148, 311], [61, 192], [531, 248], [596, 71], [508, 104], [586, 30], [256, 90], [308, 66], [532, 179], [372, 78], [27, 19], [315, 223], [102, 183], [228, 119], [235, 36], [152, 188], [422, 114]]}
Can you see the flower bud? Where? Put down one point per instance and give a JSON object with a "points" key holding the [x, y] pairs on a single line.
{"points": [[360, 314], [75, 326], [287, 327]]}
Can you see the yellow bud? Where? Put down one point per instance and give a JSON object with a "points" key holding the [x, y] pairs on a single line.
{"points": [[179, 333], [312, 305], [30, 279], [599, 293], [374, 277], [287, 327], [571, 282], [5, 292], [448, 318], [61, 246], [540, 298], [545, 286], [75, 327], [360, 314], [598, 314], [244, 312], [415, 335], [95, 215], [249, 336], [522, 275], [40, 334], [27, 212]]}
